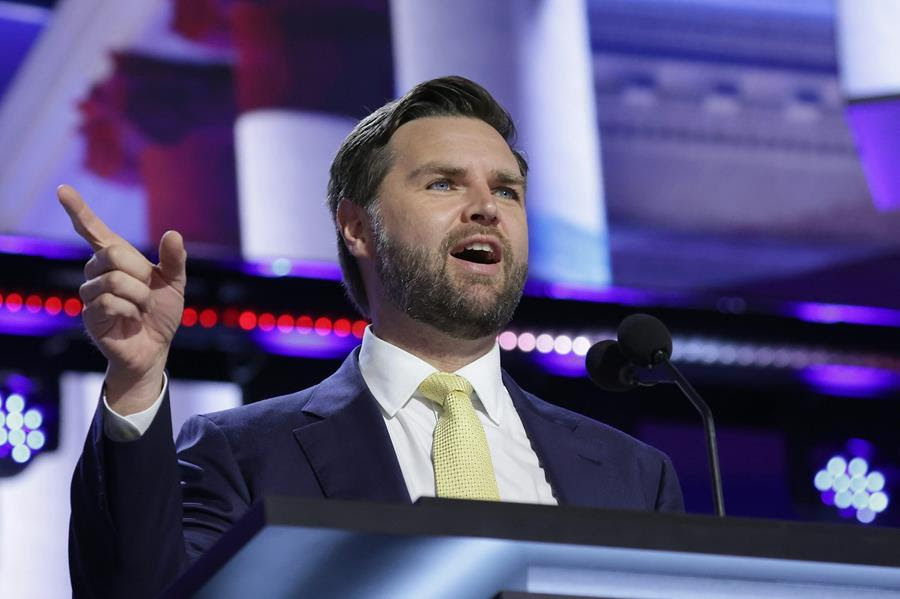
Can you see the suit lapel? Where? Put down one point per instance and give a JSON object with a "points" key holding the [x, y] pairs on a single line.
{"points": [[349, 447], [572, 461]]}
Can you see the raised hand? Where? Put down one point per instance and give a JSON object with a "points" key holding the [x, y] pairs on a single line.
{"points": [[132, 307]]}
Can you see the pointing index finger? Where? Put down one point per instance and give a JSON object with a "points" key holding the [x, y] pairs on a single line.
{"points": [[86, 223]]}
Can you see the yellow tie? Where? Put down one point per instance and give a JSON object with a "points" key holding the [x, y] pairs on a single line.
{"points": [[462, 460]]}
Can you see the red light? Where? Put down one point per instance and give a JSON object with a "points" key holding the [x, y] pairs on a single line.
{"points": [[208, 318], [72, 307], [53, 305], [247, 320], [304, 324], [323, 326], [13, 302], [285, 323], [230, 317], [33, 303], [189, 317], [359, 328], [266, 321], [342, 327], [1, 299]]}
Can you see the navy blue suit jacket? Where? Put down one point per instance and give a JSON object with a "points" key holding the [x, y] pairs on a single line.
{"points": [[139, 515]]}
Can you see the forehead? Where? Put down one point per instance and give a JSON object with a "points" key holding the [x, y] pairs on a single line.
{"points": [[455, 139]]}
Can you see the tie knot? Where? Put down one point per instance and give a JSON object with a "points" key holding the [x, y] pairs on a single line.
{"points": [[441, 385]]}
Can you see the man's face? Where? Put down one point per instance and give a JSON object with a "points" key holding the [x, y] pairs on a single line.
{"points": [[450, 228]]}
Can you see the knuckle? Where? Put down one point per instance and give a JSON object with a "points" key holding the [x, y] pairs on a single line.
{"points": [[84, 291]]}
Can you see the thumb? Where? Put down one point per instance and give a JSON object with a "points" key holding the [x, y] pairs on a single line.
{"points": [[172, 258]]}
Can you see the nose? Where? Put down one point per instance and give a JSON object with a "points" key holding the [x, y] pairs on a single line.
{"points": [[482, 207]]}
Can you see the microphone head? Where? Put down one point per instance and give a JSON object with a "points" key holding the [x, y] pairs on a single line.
{"points": [[642, 337], [608, 368]]}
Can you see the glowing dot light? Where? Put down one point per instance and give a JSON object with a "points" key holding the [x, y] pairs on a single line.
{"points": [[544, 343], [562, 345], [72, 307], [281, 267], [342, 327], [304, 324], [865, 515], [15, 403], [581, 345], [857, 467], [3, 436], [189, 317], [21, 454], [878, 502], [837, 466], [33, 419], [851, 487], [16, 437], [208, 318], [35, 440], [526, 342], [53, 306], [323, 326], [823, 480], [842, 499], [875, 481], [285, 323], [266, 321], [15, 421], [507, 340]]}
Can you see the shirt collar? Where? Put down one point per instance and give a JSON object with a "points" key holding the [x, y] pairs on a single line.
{"points": [[393, 375]]}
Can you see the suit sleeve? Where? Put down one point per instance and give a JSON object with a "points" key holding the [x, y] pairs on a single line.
{"points": [[669, 497], [140, 513]]}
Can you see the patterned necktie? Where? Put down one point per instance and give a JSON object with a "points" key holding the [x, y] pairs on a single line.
{"points": [[462, 460]]}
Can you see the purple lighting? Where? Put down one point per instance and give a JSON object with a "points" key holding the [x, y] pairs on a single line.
{"points": [[852, 381], [832, 313], [304, 345], [875, 124]]}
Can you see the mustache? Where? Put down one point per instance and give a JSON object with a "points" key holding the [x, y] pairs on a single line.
{"points": [[469, 230]]}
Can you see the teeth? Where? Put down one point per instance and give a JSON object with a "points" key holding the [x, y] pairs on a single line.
{"points": [[479, 246]]}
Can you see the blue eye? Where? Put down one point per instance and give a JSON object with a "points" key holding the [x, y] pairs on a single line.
{"points": [[440, 185], [507, 193]]}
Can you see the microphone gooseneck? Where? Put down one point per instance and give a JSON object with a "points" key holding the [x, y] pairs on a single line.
{"points": [[644, 341]]}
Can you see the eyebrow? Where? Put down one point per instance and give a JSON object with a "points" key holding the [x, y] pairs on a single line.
{"points": [[439, 168]]}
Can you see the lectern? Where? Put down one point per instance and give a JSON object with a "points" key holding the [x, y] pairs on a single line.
{"points": [[287, 547]]}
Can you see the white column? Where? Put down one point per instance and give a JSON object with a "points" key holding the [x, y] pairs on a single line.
{"points": [[868, 51], [283, 158], [534, 57]]}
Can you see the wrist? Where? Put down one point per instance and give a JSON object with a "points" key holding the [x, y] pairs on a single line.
{"points": [[128, 393]]}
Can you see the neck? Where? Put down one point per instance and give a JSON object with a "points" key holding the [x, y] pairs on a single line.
{"points": [[444, 352]]}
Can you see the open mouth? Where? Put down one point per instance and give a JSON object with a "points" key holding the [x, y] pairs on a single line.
{"points": [[481, 251]]}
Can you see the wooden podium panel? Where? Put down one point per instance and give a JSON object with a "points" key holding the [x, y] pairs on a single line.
{"points": [[286, 547]]}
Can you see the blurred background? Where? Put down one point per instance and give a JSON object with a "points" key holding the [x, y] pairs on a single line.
{"points": [[727, 165]]}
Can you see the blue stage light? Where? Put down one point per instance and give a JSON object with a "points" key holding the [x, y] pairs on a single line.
{"points": [[852, 488], [21, 433]]}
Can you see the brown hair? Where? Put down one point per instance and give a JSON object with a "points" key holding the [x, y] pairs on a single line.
{"points": [[363, 161]]}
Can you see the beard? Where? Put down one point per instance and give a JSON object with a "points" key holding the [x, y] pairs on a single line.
{"points": [[416, 281]]}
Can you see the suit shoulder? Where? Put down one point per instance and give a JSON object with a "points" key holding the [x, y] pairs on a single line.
{"points": [[280, 410], [618, 441]]}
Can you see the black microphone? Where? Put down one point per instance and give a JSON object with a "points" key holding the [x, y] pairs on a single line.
{"points": [[608, 368], [646, 341]]}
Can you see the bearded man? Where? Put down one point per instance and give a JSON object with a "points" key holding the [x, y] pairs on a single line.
{"points": [[428, 199]]}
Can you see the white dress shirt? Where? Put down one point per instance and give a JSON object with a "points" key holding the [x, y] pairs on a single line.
{"points": [[393, 376]]}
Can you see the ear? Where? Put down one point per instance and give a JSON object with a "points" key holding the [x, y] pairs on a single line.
{"points": [[353, 225]]}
